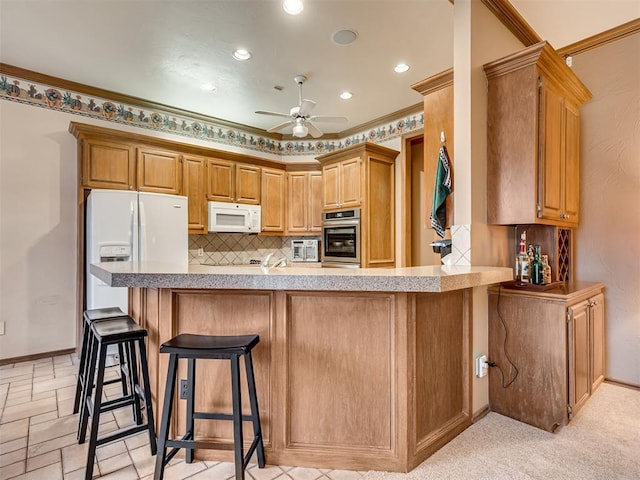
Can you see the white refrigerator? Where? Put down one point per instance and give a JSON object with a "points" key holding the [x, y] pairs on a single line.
{"points": [[132, 226]]}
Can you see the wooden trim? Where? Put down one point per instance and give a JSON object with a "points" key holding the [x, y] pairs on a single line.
{"points": [[434, 83], [37, 356], [357, 149], [511, 18], [480, 414], [620, 383], [608, 36]]}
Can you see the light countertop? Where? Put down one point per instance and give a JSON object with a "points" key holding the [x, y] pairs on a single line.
{"points": [[407, 279]]}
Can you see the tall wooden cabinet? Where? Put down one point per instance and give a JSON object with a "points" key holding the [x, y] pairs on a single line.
{"points": [[533, 139], [304, 203], [194, 187], [438, 120], [549, 351], [363, 176]]}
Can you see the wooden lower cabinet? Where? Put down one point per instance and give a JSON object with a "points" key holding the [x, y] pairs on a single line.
{"points": [[345, 380], [549, 352]]}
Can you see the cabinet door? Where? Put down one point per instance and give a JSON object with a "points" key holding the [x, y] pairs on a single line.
{"points": [[571, 180], [273, 200], [108, 165], [159, 171], [579, 353], [220, 181], [297, 202], [247, 184], [551, 154], [350, 193], [315, 202], [194, 188], [597, 340], [331, 186]]}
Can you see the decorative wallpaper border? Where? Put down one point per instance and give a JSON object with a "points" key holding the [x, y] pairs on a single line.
{"points": [[54, 98]]}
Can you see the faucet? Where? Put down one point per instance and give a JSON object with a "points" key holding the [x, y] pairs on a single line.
{"points": [[264, 265]]}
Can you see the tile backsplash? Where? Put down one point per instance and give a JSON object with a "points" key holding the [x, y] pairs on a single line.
{"points": [[237, 248]]}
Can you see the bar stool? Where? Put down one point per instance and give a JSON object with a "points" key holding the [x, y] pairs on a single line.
{"points": [[90, 316], [193, 347], [125, 332]]}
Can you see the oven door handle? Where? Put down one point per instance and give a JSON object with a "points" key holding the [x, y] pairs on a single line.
{"points": [[341, 223]]}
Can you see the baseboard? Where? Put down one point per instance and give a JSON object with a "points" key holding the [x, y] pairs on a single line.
{"points": [[36, 356], [480, 414], [620, 383]]}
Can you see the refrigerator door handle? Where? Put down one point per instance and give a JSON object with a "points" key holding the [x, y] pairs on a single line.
{"points": [[142, 240]]}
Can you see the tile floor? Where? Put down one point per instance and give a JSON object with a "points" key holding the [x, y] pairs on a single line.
{"points": [[38, 435]]}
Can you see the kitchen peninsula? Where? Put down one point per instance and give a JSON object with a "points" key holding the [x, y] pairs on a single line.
{"points": [[356, 368]]}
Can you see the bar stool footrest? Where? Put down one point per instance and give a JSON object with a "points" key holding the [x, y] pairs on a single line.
{"points": [[219, 416], [122, 434]]}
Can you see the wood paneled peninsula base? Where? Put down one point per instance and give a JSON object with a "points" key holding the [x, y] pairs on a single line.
{"points": [[351, 378]]}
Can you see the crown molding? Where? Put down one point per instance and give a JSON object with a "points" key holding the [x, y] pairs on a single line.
{"points": [[608, 36], [511, 18], [434, 83]]}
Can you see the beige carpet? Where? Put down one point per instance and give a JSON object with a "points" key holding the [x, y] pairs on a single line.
{"points": [[601, 442]]}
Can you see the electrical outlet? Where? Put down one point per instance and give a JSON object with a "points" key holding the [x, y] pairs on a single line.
{"points": [[184, 389], [481, 366], [201, 252]]}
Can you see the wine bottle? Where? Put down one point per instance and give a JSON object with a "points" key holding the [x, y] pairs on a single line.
{"points": [[522, 260], [537, 267]]}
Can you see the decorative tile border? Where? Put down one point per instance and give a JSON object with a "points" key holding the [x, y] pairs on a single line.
{"points": [[48, 96]]}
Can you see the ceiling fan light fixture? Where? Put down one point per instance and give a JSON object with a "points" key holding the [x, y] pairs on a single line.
{"points": [[242, 54], [346, 95], [293, 7], [300, 130]]}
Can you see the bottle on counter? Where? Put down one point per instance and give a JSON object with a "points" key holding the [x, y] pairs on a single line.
{"points": [[522, 260], [537, 267], [546, 271]]}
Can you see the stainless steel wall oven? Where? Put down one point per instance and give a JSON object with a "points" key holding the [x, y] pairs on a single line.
{"points": [[341, 238]]}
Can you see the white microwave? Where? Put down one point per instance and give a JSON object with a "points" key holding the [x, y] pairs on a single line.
{"points": [[234, 217]]}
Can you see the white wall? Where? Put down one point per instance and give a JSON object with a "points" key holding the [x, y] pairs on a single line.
{"points": [[38, 190], [607, 243]]}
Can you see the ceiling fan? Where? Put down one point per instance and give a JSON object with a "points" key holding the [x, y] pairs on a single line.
{"points": [[300, 117]]}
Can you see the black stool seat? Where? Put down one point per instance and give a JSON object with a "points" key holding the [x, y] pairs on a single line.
{"points": [[208, 344], [126, 333], [193, 347], [91, 316]]}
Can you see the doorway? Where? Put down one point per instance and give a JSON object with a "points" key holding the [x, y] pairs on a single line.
{"points": [[418, 233]]}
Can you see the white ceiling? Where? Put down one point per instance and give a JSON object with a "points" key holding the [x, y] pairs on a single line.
{"points": [[163, 51]]}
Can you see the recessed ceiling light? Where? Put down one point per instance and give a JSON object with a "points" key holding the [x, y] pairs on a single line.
{"points": [[344, 37], [401, 68], [346, 95], [208, 87], [292, 7], [242, 54]]}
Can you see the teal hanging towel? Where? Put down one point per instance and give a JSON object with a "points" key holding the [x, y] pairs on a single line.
{"points": [[441, 191]]}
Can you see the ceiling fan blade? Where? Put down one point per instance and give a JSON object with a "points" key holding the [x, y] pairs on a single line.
{"points": [[313, 130], [276, 114], [280, 126], [327, 118], [305, 107]]}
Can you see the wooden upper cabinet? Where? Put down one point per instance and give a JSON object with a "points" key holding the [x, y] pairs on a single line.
{"points": [[108, 164], [247, 184], [533, 128], [228, 181], [438, 114], [273, 200], [194, 187], [342, 184], [304, 203], [159, 171]]}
